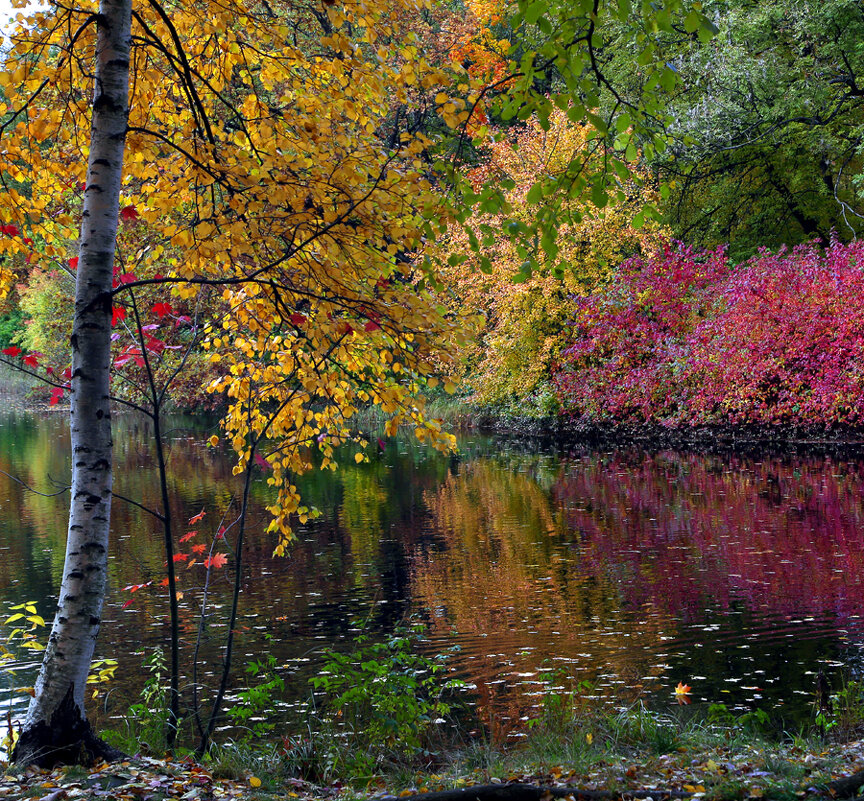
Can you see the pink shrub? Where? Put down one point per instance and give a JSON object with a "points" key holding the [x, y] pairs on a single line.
{"points": [[685, 337]]}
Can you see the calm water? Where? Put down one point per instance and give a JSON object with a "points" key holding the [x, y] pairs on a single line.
{"points": [[634, 570]]}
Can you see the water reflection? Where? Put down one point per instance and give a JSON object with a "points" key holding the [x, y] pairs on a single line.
{"points": [[633, 570]]}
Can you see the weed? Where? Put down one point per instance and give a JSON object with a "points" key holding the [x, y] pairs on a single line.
{"points": [[253, 702], [145, 723], [384, 693]]}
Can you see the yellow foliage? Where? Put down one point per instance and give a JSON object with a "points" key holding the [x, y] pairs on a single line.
{"points": [[520, 328], [255, 161]]}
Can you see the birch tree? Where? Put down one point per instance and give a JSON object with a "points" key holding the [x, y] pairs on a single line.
{"points": [[56, 727]]}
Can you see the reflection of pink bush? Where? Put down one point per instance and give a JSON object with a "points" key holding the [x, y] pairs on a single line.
{"points": [[684, 532], [686, 337]]}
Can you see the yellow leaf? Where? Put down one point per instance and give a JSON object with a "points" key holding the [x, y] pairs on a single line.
{"points": [[214, 440], [254, 781], [358, 457]]}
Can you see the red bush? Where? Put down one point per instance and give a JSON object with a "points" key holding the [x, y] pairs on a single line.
{"points": [[684, 337]]}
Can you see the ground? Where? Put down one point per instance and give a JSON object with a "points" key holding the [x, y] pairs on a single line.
{"points": [[738, 771]]}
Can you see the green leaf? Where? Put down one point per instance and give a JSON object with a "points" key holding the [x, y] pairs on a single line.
{"points": [[692, 21], [533, 12], [535, 193]]}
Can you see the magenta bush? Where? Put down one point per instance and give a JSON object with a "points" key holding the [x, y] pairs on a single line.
{"points": [[684, 337]]}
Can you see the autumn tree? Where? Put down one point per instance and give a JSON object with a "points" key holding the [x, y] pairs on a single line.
{"points": [[522, 326]]}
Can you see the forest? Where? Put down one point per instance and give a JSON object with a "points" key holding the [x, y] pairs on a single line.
{"points": [[319, 227]]}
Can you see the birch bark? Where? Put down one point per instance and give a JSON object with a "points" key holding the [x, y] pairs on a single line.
{"points": [[56, 729]]}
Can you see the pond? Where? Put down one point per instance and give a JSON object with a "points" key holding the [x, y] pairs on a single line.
{"points": [[630, 569]]}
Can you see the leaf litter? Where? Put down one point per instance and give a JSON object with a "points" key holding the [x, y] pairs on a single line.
{"points": [[735, 771]]}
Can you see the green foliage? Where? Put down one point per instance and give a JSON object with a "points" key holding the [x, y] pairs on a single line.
{"points": [[145, 722], [843, 715], [753, 721], [11, 327], [767, 134], [385, 693], [257, 698]]}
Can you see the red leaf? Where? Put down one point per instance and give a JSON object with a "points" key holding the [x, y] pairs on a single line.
{"points": [[180, 557], [128, 278], [161, 309], [371, 326], [129, 213], [217, 560], [200, 516], [118, 314], [155, 345], [56, 394], [158, 277], [73, 262], [163, 583], [297, 319], [345, 328], [11, 351], [129, 602], [199, 548], [188, 536], [10, 230], [31, 360], [262, 462]]}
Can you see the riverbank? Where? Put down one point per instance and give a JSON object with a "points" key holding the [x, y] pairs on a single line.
{"points": [[564, 432], [727, 764]]}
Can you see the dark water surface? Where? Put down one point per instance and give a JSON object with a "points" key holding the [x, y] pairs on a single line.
{"points": [[739, 576]]}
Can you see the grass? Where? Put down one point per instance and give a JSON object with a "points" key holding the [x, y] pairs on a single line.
{"points": [[617, 749]]}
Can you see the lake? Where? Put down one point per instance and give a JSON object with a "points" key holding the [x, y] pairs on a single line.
{"points": [[629, 569]]}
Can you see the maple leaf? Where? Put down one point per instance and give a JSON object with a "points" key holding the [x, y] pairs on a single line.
{"points": [[129, 213], [195, 518], [11, 351], [31, 360], [9, 230], [73, 262], [682, 693], [161, 309], [297, 319], [199, 548], [56, 394], [371, 326], [181, 557], [118, 314], [217, 560], [188, 536]]}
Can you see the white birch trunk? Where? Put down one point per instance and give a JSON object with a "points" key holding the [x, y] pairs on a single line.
{"points": [[56, 728]]}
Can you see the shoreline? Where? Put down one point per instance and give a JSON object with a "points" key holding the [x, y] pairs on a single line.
{"points": [[566, 434]]}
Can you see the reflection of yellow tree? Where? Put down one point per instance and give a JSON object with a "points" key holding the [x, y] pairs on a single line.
{"points": [[363, 513], [512, 576]]}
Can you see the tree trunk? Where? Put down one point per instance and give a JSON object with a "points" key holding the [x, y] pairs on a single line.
{"points": [[56, 729]]}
